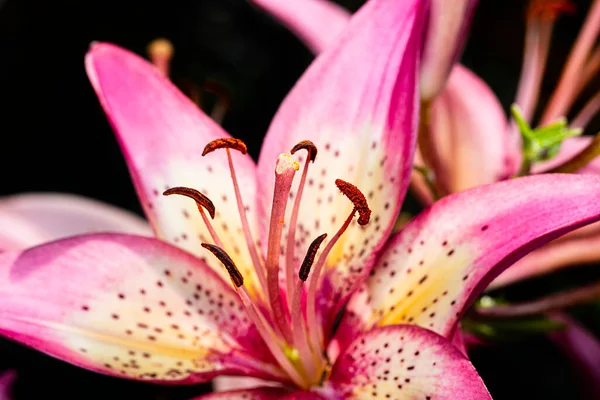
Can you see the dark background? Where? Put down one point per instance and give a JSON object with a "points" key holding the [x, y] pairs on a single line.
{"points": [[55, 136]]}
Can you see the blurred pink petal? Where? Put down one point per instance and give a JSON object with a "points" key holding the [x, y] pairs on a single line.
{"points": [[30, 219]]}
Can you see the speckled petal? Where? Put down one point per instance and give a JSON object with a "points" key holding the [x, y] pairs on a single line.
{"points": [[405, 362], [439, 263], [162, 135], [266, 393], [30, 219], [128, 306], [316, 22], [358, 103]]}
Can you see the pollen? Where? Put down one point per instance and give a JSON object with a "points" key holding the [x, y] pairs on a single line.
{"points": [[308, 146], [200, 199], [357, 198], [225, 143]]}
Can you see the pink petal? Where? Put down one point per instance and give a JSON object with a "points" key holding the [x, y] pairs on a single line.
{"points": [[437, 265], [468, 128], [267, 393], [583, 349], [316, 22], [406, 361], [447, 28], [30, 219], [128, 306], [569, 148], [162, 134], [229, 383], [358, 103]]}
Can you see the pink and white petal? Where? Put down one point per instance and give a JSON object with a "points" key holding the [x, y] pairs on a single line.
{"points": [[447, 29], [407, 362], [316, 22], [468, 128], [264, 393], [432, 270], [358, 103], [162, 135], [128, 306], [583, 349], [569, 148], [42, 217]]}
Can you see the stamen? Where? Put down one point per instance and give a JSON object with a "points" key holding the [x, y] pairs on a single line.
{"points": [[202, 202], [236, 144], [309, 259], [357, 198], [160, 52], [234, 272], [200, 199], [225, 143], [291, 238], [360, 206], [300, 333], [262, 325], [223, 100], [587, 113], [568, 85], [284, 174], [549, 9]]}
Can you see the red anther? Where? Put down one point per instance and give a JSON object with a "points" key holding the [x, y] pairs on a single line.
{"points": [[308, 146], [550, 9], [309, 259], [225, 143], [200, 199], [234, 272], [357, 198]]}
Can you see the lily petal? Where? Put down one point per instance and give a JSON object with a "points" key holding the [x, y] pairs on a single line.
{"points": [[316, 22], [265, 393], [358, 103], [406, 361], [128, 306], [162, 134], [33, 218], [437, 265], [7, 379], [447, 28]]}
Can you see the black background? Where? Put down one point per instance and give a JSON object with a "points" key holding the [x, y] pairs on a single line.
{"points": [[54, 136]]}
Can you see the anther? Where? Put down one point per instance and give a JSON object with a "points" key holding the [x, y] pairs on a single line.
{"points": [[549, 9], [234, 272], [357, 198], [225, 143], [200, 199], [308, 146], [309, 259]]}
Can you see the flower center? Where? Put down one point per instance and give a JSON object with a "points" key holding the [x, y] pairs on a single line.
{"points": [[288, 324]]}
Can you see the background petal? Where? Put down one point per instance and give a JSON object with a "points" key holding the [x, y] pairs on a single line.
{"points": [[406, 361], [162, 134], [316, 22], [128, 306], [30, 219]]}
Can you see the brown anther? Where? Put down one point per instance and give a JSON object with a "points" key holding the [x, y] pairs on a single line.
{"points": [[225, 143], [308, 146], [357, 198], [549, 9], [200, 199], [234, 272], [309, 259]]}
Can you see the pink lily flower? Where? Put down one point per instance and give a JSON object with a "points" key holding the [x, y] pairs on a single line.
{"points": [[471, 143], [167, 311]]}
